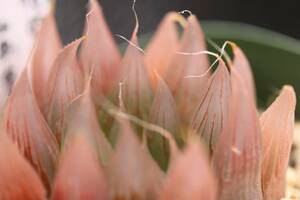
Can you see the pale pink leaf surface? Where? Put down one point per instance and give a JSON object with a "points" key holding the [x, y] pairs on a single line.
{"points": [[25, 125], [99, 53], [242, 66], [277, 124], [210, 115], [162, 47], [163, 113], [187, 91], [132, 172], [65, 83], [79, 175], [82, 120], [18, 178], [237, 156], [190, 176], [137, 91], [46, 48]]}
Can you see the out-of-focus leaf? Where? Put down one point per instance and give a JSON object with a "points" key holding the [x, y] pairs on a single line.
{"points": [[242, 66], [163, 113], [277, 124], [237, 156], [162, 47], [64, 84], [25, 125], [136, 88], [18, 178], [211, 114], [46, 48], [82, 120], [132, 173], [190, 176], [99, 54], [79, 173], [275, 58], [187, 91]]}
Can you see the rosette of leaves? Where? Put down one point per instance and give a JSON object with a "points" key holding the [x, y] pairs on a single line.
{"points": [[85, 122]]}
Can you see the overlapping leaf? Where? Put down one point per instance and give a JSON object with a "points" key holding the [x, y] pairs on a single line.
{"points": [[188, 90], [25, 125], [65, 83], [163, 113], [212, 112], [237, 156], [99, 53], [82, 120], [274, 56], [132, 172], [190, 176], [18, 178], [224, 115], [242, 66], [137, 92], [162, 47], [46, 48], [277, 124], [79, 174]]}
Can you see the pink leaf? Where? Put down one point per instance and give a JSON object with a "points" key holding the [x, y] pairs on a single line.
{"points": [[162, 47], [190, 176], [132, 172], [47, 47], [79, 174], [82, 120], [237, 156], [212, 112], [18, 179], [26, 126], [137, 92], [163, 113], [188, 90], [277, 124], [242, 66], [65, 83], [99, 53]]}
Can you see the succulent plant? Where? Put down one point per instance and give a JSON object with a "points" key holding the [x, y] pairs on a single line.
{"points": [[85, 122]]}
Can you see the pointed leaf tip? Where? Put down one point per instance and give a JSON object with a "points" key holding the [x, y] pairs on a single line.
{"points": [[25, 125], [82, 120], [182, 65], [132, 172], [277, 124], [66, 82], [237, 156], [162, 47], [79, 174], [163, 113], [190, 176], [46, 48], [242, 66], [99, 53], [18, 179], [137, 91], [187, 91], [211, 113]]}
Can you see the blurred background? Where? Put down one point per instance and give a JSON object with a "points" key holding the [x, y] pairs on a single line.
{"points": [[278, 15]]}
